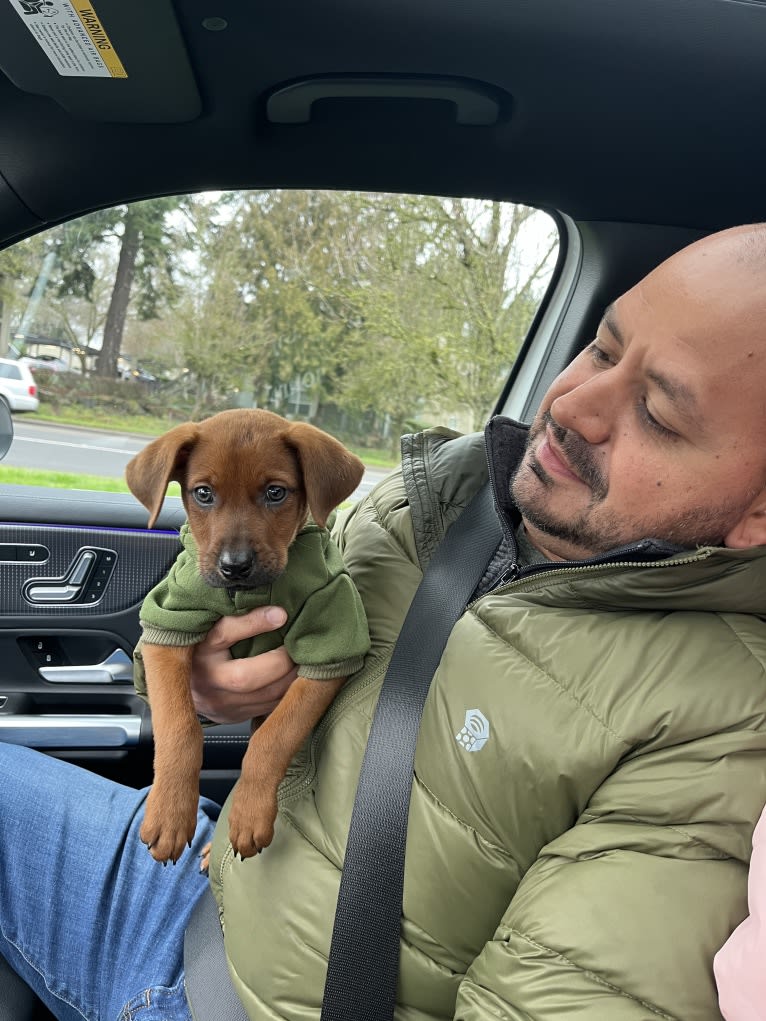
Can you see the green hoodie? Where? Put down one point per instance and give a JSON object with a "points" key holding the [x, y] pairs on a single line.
{"points": [[325, 632], [589, 858]]}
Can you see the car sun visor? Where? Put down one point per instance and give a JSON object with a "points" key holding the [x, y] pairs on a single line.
{"points": [[105, 61]]}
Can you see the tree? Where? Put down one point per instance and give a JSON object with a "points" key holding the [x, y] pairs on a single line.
{"points": [[210, 326], [403, 307], [451, 287], [390, 309], [393, 312], [138, 244], [19, 267], [492, 269], [288, 281], [147, 250]]}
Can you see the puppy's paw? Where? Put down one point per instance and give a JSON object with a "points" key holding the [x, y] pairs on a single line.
{"points": [[168, 826], [251, 819]]}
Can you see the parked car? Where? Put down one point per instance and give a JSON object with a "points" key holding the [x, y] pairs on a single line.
{"points": [[49, 363], [17, 386]]}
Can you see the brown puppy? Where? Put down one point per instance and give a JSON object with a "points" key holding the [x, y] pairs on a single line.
{"points": [[249, 480]]}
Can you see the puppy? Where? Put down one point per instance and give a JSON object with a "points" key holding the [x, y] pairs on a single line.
{"points": [[257, 491]]}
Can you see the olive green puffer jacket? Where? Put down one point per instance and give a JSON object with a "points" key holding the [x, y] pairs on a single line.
{"points": [[587, 860]]}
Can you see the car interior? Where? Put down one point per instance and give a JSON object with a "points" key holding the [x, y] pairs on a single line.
{"points": [[635, 126]]}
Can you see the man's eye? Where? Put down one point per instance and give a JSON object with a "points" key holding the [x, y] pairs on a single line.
{"points": [[600, 356], [652, 422], [203, 495], [275, 495]]}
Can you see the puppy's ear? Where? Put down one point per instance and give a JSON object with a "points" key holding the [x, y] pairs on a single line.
{"points": [[330, 472], [162, 462]]}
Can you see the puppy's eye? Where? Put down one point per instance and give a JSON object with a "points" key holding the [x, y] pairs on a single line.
{"points": [[203, 495], [275, 495]]}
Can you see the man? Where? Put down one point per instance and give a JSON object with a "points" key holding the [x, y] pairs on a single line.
{"points": [[589, 856]]}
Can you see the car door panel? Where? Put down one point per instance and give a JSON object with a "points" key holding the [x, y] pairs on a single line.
{"points": [[74, 568]]}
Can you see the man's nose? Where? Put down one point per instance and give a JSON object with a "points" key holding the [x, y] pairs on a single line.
{"points": [[587, 409]]}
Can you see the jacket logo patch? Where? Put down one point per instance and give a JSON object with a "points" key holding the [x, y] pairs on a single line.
{"points": [[475, 732]]}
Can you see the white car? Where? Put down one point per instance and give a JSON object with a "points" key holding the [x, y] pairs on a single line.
{"points": [[17, 386]]}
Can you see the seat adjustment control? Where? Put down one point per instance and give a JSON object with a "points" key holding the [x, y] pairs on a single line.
{"points": [[52, 593], [84, 582]]}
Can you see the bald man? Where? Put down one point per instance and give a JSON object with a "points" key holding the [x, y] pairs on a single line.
{"points": [[587, 854]]}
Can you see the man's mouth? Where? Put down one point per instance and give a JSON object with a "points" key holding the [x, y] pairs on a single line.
{"points": [[564, 454], [553, 461]]}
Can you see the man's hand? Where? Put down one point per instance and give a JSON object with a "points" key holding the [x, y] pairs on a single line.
{"points": [[230, 690]]}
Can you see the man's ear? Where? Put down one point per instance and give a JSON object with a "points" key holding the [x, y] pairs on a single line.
{"points": [[750, 530]]}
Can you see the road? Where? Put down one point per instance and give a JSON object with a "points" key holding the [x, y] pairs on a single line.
{"points": [[50, 447]]}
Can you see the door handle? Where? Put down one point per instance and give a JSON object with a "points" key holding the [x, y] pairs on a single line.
{"points": [[101, 730], [115, 669]]}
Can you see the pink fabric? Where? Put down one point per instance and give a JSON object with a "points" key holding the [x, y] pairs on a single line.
{"points": [[740, 965]]}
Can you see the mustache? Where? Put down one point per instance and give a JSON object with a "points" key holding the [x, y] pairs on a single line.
{"points": [[579, 454]]}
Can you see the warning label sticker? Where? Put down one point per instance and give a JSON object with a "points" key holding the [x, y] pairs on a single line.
{"points": [[72, 37]]}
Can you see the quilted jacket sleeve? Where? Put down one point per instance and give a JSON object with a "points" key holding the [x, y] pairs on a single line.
{"points": [[620, 917], [577, 944]]}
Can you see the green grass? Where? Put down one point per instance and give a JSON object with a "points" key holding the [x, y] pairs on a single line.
{"points": [[67, 480], [375, 458], [145, 425], [60, 480]]}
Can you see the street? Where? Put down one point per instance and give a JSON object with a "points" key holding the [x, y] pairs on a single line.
{"points": [[50, 447]]}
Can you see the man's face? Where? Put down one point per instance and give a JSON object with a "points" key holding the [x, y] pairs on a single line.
{"points": [[658, 428]]}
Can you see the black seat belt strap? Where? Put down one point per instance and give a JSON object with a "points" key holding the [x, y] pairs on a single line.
{"points": [[363, 967]]}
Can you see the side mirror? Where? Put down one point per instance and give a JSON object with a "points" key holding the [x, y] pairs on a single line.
{"points": [[6, 429]]}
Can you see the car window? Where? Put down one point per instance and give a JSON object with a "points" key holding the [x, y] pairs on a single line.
{"points": [[10, 371], [369, 315]]}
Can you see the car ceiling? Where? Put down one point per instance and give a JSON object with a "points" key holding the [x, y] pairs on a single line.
{"points": [[647, 112]]}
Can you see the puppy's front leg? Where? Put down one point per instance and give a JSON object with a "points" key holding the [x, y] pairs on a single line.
{"points": [[171, 808], [271, 749]]}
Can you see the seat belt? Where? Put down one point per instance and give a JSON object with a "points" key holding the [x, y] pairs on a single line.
{"points": [[209, 989], [363, 966]]}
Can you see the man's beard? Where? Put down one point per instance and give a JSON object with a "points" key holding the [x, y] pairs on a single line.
{"points": [[701, 526]]}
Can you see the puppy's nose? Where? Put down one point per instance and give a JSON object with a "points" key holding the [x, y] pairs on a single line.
{"points": [[234, 565]]}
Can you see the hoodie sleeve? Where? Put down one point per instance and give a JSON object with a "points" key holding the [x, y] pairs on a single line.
{"points": [[329, 636]]}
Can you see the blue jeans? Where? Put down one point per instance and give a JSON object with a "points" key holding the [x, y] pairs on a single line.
{"points": [[87, 917]]}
